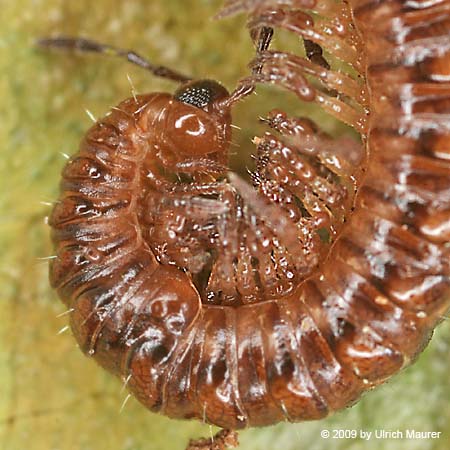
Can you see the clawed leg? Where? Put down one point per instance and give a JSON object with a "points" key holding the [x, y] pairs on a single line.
{"points": [[183, 226], [196, 199], [233, 7], [199, 166], [303, 138], [291, 234], [341, 155], [279, 121], [214, 188], [222, 440], [89, 46], [287, 166], [337, 38], [291, 72], [270, 252], [339, 94], [262, 37]]}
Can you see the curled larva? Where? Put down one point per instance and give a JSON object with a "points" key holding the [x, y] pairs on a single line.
{"points": [[248, 305]]}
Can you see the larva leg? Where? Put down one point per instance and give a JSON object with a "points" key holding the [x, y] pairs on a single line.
{"points": [[89, 46]]}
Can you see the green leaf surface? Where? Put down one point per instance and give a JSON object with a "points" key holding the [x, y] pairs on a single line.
{"points": [[51, 396]]}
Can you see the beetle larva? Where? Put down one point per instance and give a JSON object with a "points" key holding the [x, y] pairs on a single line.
{"points": [[246, 307]]}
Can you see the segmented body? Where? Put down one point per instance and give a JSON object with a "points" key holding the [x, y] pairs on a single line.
{"points": [[287, 333]]}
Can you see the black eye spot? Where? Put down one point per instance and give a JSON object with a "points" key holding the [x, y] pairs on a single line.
{"points": [[200, 93], [195, 96]]}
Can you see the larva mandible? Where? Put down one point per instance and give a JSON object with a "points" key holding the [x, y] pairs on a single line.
{"points": [[245, 307]]}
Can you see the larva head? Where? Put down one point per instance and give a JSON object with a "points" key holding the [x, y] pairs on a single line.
{"points": [[197, 124]]}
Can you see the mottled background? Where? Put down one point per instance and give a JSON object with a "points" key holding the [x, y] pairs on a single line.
{"points": [[51, 396]]}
